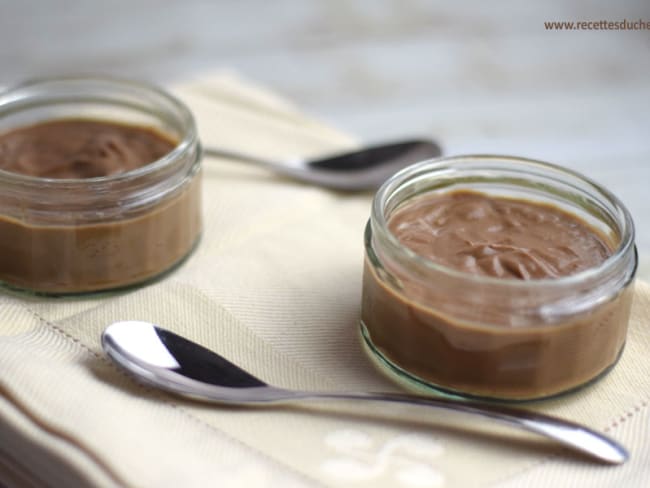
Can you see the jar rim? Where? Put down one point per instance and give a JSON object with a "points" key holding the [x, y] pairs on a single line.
{"points": [[379, 223], [13, 95]]}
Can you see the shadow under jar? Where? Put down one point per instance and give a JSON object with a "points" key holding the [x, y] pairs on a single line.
{"points": [[502, 321], [73, 228]]}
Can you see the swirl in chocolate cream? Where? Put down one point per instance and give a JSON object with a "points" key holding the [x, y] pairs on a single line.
{"points": [[80, 148], [499, 237]]}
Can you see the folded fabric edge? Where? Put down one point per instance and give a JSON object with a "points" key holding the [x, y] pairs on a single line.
{"points": [[39, 457], [13, 474]]}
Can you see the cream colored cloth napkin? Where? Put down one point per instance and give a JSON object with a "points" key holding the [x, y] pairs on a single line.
{"points": [[275, 286]]}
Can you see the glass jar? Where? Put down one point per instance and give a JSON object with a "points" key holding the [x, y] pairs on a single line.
{"points": [[78, 235], [438, 329]]}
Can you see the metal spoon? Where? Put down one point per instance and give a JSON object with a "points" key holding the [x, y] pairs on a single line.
{"points": [[166, 360], [362, 169]]}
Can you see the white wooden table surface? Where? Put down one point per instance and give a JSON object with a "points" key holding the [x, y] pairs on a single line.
{"points": [[477, 76]]}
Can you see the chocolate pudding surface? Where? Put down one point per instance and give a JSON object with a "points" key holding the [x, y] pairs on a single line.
{"points": [[80, 148], [499, 237]]}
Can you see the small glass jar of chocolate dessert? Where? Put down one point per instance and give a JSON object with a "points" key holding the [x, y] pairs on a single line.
{"points": [[496, 277], [99, 185]]}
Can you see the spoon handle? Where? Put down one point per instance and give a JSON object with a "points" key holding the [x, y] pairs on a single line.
{"points": [[239, 156], [295, 169], [569, 434]]}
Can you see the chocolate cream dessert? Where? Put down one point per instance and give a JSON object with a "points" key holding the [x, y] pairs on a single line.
{"points": [[512, 352], [109, 243]]}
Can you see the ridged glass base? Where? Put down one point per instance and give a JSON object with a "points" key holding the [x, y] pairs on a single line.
{"points": [[418, 385]]}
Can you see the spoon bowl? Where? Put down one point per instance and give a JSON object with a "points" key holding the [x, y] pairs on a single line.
{"points": [[166, 360], [360, 169]]}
